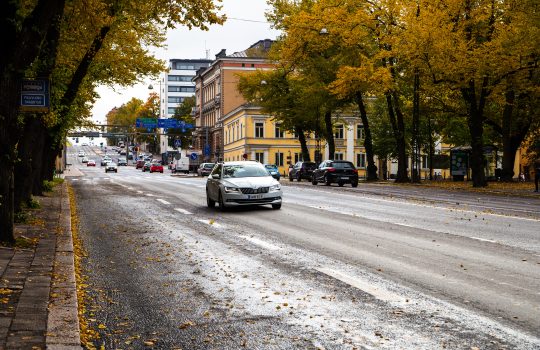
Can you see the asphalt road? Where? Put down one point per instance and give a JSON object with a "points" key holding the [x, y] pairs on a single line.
{"points": [[335, 268]]}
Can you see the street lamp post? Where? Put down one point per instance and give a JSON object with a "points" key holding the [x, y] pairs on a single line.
{"points": [[156, 136]]}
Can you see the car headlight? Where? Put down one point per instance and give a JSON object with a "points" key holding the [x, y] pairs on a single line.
{"points": [[232, 189], [276, 187]]}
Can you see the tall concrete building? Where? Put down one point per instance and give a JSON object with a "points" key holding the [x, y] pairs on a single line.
{"points": [[216, 95], [174, 86]]}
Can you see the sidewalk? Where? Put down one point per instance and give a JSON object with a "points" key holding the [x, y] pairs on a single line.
{"points": [[38, 300]]}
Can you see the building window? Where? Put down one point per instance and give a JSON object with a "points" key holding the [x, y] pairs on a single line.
{"points": [[279, 158], [279, 131], [297, 157], [179, 78], [259, 157], [360, 160], [360, 132], [338, 156], [259, 129], [339, 132], [181, 88], [425, 163], [241, 131], [175, 99], [171, 110]]}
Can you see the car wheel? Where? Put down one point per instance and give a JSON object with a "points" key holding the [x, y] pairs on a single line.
{"points": [[291, 178], [314, 180], [327, 181], [209, 202], [340, 184], [221, 202], [298, 177], [116, 171], [276, 206], [354, 184], [150, 171], [161, 171]]}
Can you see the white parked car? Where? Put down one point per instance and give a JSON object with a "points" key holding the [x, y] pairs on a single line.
{"points": [[242, 183]]}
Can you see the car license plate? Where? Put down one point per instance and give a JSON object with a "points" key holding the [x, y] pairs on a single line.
{"points": [[255, 196], [344, 178]]}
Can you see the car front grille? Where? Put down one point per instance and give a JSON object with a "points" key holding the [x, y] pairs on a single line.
{"points": [[254, 190]]}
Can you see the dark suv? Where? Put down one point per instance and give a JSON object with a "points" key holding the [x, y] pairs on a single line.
{"points": [[302, 170], [336, 171]]}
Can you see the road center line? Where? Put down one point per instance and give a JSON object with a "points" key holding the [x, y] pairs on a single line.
{"points": [[183, 211], [139, 191], [162, 201], [149, 195], [483, 239], [364, 285], [261, 243]]}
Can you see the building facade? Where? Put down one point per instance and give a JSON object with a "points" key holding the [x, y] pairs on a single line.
{"points": [[217, 95], [174, 86]]}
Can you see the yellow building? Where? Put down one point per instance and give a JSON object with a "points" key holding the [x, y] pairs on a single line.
{"points": [[248, 133]]}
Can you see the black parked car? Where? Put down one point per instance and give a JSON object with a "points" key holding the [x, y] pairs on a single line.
{"points": [[336, 171], [302, 170]]}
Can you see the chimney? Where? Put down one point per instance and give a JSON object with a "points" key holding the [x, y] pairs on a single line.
{"points": [[221, 54]]}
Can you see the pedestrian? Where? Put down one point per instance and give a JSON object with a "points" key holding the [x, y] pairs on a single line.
{"points": [[536, 174], [521, 177]]}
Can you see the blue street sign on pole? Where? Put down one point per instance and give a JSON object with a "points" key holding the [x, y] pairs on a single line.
{"points": [[193, 156], [35, 95], [177, 143], [207, 150]]}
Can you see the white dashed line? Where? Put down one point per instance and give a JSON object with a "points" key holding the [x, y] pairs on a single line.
{"points": [[261, 243], [365, 285], [483, 239], [139, 192], [149, 195], [183, 211], [162, 201], [211, 222]]}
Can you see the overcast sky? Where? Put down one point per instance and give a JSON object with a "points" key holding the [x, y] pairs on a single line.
{"points": [[242, 29]]}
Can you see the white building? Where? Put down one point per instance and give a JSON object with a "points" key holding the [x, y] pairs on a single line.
{"points": [[174, 86]]}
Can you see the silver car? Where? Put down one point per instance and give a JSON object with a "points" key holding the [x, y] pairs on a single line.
{"points": [[110, 166], [242, 183]]}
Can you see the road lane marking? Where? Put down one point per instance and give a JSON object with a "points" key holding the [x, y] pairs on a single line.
{"points": [[211, 222], [139, 191], [130, 188], [261, 243], [364, 285], [484, 239], [162, 201], [183, 211], [149, 195]]}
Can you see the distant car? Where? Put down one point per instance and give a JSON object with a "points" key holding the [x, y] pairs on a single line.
{"points": [[81, 154], [242, 183], [139, 164], [205, 169], [146, 166], [84, 160], [335, 171], [156, 168], [273, 170], [302, 170], [111, 167], [104, 160], [122, 161], [91, 162], [84, 144]]}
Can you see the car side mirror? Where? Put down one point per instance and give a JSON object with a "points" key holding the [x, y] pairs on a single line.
{"points": [[215, 176]]}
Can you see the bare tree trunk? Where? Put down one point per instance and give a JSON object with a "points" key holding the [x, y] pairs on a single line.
{"points": [[476, 131], [329, 131], [368, 141], [303, 143]]}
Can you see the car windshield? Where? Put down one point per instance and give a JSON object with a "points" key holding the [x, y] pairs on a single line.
{"points": [[209, 166], [342, 165], [156, 164], [241, 170], [310, 165], [270, 167]]}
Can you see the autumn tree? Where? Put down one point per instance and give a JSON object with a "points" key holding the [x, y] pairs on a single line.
{"points": [[71, 37]]}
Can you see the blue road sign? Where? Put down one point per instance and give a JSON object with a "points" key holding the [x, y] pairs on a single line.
{"points": [[35, 95], [177, 143], [207, 150], [193, 156]]}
